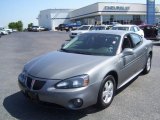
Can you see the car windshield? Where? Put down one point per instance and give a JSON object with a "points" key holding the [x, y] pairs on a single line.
{"points": [[35, 26], [84, 28], [98, 28], [93, 44], [120, 28]]}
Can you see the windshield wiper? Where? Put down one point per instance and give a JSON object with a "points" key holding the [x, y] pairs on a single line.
{"points": [[64, 50], [85, 53], [77, 52]]}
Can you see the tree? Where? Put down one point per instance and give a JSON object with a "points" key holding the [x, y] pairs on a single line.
{"points": [[16, 25], [12, 25], [19, 26], [30, 25]]}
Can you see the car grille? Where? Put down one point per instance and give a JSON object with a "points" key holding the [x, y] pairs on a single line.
{"points": [[34, 84]]}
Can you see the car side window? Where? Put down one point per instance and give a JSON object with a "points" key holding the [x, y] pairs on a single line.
{"points": [[127, 42], [91, 27], [136, 39], [132, 29], [136, 29]]}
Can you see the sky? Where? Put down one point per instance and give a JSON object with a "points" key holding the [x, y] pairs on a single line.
{"points": [[28, 10]]}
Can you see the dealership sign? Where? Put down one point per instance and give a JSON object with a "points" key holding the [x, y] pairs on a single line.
{"points": [[117, 8], [151, 11]]}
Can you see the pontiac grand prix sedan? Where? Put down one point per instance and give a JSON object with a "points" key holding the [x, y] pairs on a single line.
{"points": [[88, 70]]}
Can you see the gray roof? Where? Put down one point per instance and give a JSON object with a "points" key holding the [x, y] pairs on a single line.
{"points": [[116, 32]]}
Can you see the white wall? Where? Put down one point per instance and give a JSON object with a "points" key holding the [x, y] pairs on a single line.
{"points": [[84, 10], [51, 18], [44, 19]]}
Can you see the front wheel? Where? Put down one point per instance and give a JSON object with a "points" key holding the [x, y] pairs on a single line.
{"points": [[106, 92], [148, 65]]}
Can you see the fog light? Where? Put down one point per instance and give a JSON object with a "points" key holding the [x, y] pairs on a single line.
{"points": [[76, 103]]}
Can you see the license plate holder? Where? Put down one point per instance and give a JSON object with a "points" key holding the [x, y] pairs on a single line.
{"points": [[32, 95]]}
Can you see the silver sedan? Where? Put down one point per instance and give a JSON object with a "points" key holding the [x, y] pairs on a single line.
{"points": [[87, 70]]}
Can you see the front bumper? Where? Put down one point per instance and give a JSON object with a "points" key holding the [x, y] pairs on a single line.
{"points": [[63, 97]]}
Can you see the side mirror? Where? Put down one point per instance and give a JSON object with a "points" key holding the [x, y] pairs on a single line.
{"points": [[128, 51], [65, 43]]}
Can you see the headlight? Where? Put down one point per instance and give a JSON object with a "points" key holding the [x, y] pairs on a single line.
{"points": [[75, 82], [23, 75]]}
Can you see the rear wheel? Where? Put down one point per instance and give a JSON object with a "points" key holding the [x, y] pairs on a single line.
{"points": [[106, 92], [148, 65]]}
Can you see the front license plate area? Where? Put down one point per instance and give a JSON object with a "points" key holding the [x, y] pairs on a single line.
{"points": [[33, 96]]}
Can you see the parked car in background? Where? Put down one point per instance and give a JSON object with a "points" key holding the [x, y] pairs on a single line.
{"points": [[14, 30], [37, 28], [158, 31], [111, 23], [80, 30], [133, 28], [68, 27], [101, 27], [0, 35], [88, 70], [115, 23], [29, 29], [3, 32], [72, 26], [9, 30], [151, 32], [61, 27]]}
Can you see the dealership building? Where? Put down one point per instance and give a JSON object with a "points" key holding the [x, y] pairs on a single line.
{"points": [[99, 13]]}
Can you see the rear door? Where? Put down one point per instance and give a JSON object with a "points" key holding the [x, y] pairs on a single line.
{"points": [[138, 31]]}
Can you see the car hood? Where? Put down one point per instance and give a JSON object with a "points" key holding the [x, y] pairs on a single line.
{"points": [[79, 31], [61, 65]]}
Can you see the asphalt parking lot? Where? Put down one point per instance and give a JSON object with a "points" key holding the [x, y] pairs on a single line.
{"points": [[138, 100]]}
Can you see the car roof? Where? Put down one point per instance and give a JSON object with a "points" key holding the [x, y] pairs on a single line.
{"points": [[124, 25], [102, 25], [146, 25], [114, 32]]}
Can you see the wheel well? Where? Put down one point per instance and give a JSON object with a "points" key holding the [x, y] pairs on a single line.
{"points": [[150, 53], [115, 75]]}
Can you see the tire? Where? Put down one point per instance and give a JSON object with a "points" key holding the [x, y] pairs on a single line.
{"points": [[70, 29], [147, 68], [105, 96]]}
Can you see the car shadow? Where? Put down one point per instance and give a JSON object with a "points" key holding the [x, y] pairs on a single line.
{"points": [[128, 84], [21, 108], [156, 43]]}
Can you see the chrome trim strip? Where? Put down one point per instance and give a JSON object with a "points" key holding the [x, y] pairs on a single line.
{"points": [[131, 78]]}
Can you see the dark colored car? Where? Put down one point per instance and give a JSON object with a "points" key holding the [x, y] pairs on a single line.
{"points": [[29, 28], [150, 32], [61, 27]]}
